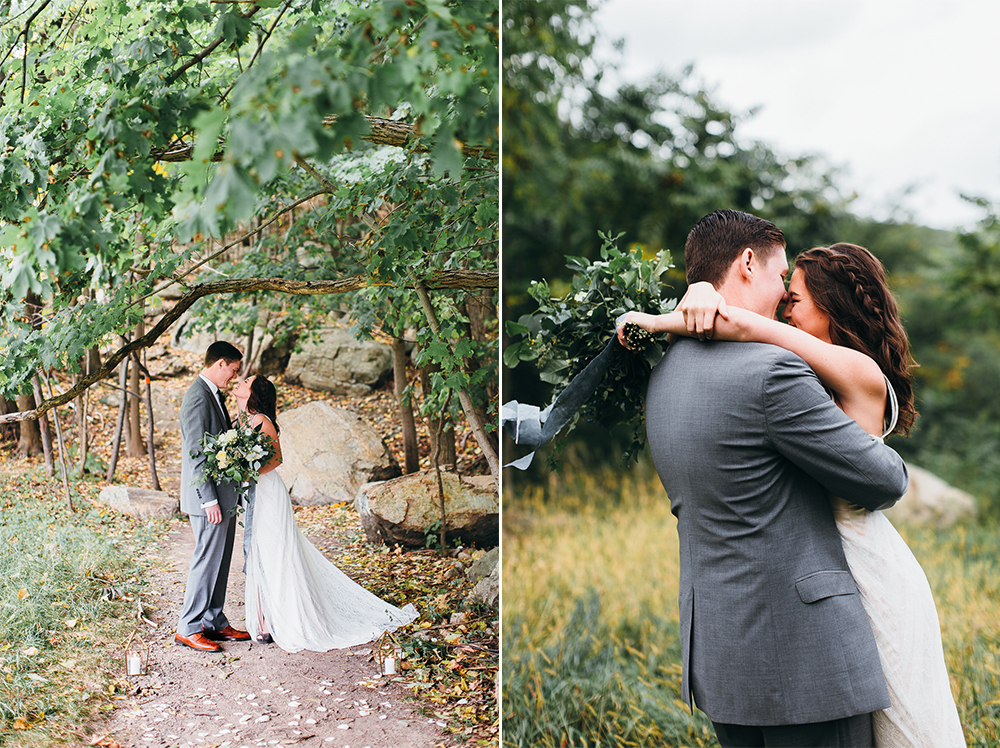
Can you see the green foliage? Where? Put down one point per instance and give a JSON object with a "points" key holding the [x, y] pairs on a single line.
{"points": [[135, 134], [566, 333], [647, 159]]}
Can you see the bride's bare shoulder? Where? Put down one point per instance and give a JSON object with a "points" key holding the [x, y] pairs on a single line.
{"points": [[259, 419]]}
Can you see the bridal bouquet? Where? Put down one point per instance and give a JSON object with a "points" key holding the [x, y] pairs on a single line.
{"points": [[236, 456], [566, 333]]}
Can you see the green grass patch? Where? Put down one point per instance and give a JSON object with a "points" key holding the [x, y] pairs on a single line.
{"points": [[590, 633], [69, 594]]}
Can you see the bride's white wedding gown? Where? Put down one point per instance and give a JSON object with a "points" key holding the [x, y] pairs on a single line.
{"points": [[899, 604], [306, 602]]}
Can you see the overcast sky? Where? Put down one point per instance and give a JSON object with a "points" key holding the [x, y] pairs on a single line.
{"points": [[898, 93]]}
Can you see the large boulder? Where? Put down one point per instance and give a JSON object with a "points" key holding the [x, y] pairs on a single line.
{"points": [[930, 500], [340, 363], [141, 503], [405, 510], [329, 453]]}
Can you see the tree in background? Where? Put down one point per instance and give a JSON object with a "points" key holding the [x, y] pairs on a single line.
{"points": [[643, 161], [647, 160], [302, 148]]}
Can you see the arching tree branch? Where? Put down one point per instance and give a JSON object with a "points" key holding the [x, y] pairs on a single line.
{"points": [[442, 280], [383, 132]]}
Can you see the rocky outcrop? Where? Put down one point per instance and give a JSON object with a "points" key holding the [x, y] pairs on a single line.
{"points": [[929, 500], [484, 574], [406, 510], [329, 453], [141, 503], [339, 363]]}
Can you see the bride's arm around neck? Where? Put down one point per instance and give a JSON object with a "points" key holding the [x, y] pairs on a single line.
{"points": [[256, 419]]}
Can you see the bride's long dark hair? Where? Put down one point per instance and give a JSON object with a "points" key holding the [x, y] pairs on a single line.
{"points": [[848, 283], [263, 399]]}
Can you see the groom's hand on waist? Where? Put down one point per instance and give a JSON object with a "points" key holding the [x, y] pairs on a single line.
{"points": [[213, 514]]}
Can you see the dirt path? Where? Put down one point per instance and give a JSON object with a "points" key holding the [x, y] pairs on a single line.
{"points": [[256, 695]]}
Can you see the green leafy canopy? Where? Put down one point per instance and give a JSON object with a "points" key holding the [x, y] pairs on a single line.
{"points": [[336, 138]]}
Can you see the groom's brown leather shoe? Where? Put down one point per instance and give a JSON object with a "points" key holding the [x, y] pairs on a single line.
{"points": [[197, 641], [227, 634]]}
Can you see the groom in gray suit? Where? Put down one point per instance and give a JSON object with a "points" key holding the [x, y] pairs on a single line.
{"points": [[209, 506], [776, 646]]}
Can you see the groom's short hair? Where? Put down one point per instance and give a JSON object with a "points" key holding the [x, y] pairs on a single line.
{"points": [[221, 349], [717, 240]]}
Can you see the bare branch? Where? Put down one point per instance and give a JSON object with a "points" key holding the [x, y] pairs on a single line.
{"points": [[383, 132], [260, 46], [441, 280], [233, 243], [200, 57]]}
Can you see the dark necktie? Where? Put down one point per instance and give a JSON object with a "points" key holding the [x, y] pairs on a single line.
{"points": [[222, 402]]}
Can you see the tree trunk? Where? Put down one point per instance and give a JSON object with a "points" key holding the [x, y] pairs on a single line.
{"points": [[247, 368], [442, 430], [478, 311], [435, 460], [8, 431], [411, 451], [30, 443], [119, 427], [149, 439], [44, 427], [478, 429], [91, 363], [135, 446], [62, 448]]}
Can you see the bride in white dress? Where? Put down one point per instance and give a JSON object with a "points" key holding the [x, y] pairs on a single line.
{"points": [[294, 595], [844, 322]]}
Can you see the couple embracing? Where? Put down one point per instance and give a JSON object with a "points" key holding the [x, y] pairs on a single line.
{"points": [[805, 620], [295, 597]]}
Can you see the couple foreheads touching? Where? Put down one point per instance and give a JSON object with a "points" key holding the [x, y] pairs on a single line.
{"points": [[295, 597]]}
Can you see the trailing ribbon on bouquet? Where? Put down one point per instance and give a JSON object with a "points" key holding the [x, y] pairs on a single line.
{"points": [[532, 427]]}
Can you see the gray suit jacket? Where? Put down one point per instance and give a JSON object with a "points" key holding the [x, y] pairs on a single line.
{"points": [[748, 444], [201, 413]]}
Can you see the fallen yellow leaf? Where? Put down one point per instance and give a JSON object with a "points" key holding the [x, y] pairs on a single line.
{"points": [[22, 594], [20, 723]]}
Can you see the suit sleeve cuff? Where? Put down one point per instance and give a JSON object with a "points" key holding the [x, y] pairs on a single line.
{"points": [[209, 503]]}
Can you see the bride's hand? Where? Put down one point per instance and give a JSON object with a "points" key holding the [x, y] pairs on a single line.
{"points": [[699, 306], [643, 320]]}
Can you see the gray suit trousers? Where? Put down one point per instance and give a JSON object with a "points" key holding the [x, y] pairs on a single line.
{"points": [[213, 552], [850, 732]]}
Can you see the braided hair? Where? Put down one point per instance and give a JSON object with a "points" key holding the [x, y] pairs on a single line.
{"points": [[848, 283]]}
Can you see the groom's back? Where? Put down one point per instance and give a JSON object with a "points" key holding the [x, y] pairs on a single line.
{"points": [[773, 631]]}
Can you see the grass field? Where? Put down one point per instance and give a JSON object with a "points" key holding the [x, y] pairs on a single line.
{"points": [[70, 587], [590, 633]]}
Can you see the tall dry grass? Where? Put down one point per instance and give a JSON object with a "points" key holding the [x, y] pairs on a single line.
{"points": [[590, 634]]}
